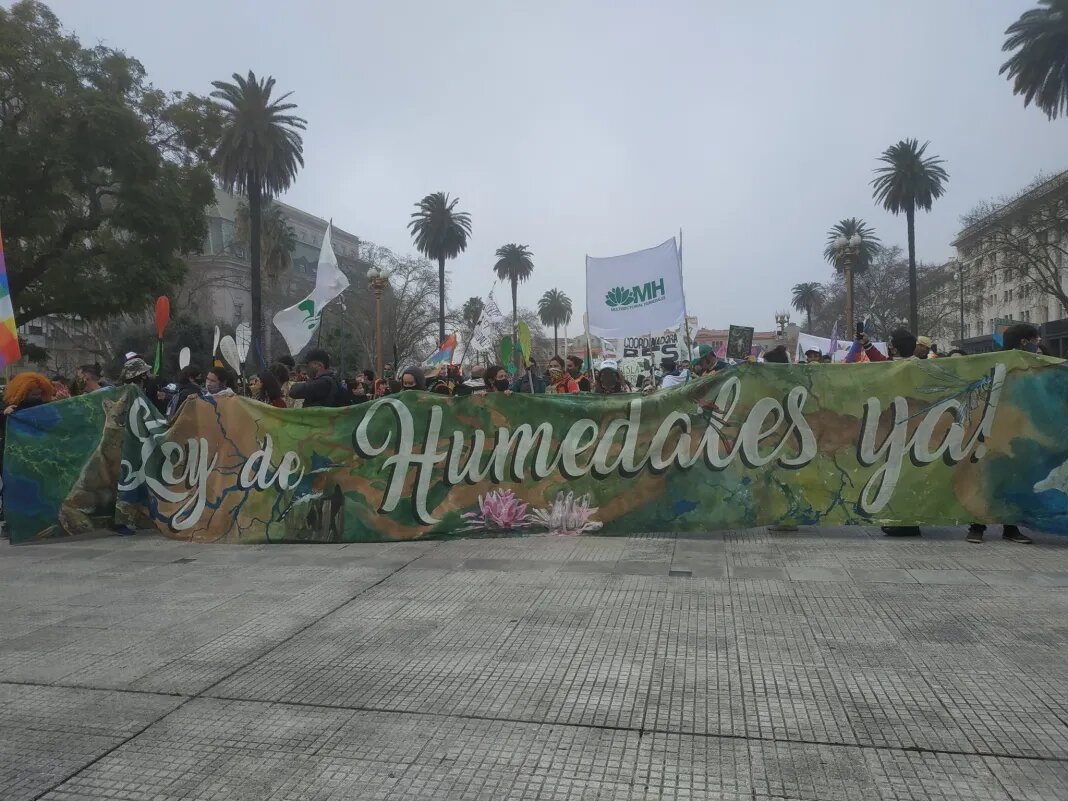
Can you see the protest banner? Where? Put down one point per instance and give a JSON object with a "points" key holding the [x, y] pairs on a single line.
{"points": [[912, 442]]}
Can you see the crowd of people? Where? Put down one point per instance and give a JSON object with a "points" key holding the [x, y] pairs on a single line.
{"points": [[314, 383]]}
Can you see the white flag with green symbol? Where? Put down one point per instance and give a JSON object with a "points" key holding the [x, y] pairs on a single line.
{"points": [[634, 294], [298, 323]]}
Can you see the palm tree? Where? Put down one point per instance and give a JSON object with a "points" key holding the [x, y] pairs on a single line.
{"points": [[554, 308], [869, 244], [258, 154], [806, 296], [277, 241], [472, 313], [440, 233], [1039, 67], [907, 182], [515, 263]]}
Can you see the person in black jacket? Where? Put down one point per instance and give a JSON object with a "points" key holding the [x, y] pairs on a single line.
{"points": [[323, 388]]}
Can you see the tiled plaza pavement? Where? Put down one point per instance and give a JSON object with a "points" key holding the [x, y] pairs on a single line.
{"points": [[819, 665]]}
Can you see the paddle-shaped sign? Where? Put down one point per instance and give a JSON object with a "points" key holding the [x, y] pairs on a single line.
{"points": [[243, 337], [163, 316], [183, 358], [230, 353]]}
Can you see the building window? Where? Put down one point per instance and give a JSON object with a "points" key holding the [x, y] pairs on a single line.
{"points": [[1027, 316], [238, 309], [36, 329]]}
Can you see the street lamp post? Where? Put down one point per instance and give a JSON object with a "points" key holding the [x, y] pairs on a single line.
{"points": [[960, 277], [377, 280], [782, 319], [848, 249]]}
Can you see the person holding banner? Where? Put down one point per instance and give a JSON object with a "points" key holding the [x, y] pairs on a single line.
{"points": [[574, 369], [560, 382]]}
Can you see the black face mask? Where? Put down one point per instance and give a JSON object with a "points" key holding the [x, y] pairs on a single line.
{"points": [[501, 384], [406, 387], [1030, 347]]}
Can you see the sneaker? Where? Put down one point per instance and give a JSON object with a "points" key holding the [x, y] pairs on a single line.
{"points": [[1013, 534], [124, 531], [975, 533], [901, 531]]}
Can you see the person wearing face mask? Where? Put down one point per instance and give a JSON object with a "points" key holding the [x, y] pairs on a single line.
{"points": [[412, 378], [560, 383], [574, 369], [497, 380], [609, 381]]}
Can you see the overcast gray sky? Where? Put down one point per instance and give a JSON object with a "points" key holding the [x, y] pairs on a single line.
{"points": [[579, 127]]}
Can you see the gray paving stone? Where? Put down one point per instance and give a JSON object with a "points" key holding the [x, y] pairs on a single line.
{"points": [[823, 664]]}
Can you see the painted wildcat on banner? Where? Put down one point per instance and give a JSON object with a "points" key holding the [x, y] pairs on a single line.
{"points": [[946, 441]]}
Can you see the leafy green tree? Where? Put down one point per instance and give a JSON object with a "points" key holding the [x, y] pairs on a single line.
{"points": [[806, 297], [440, 232], [105, 179], [909, 181], [1039, 67], [258, 155], [515, 263], [554, 308], [869, 245]]}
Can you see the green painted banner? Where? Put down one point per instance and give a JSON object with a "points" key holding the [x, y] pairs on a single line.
{"points": [[946, 441]]}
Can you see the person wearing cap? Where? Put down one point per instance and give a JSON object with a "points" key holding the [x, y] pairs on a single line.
{"points": [[136, 372], [813, 356], [923, 347], [609, 381]]}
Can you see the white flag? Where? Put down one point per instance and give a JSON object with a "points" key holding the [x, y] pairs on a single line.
{"points": [[297, 323], [634, 294]]}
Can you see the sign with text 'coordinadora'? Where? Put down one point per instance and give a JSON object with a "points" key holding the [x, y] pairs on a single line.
{"points": [[946, 441], [635, 294]]}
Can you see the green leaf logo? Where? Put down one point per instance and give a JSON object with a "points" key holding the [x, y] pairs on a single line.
{"points": [[308, 307], [619, 297]]}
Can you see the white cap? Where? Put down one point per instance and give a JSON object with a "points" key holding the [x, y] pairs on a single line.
{"points": [[131, 355], [609, 364]]}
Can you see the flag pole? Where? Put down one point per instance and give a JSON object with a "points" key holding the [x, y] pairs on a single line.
{"points": [[685, 312], [586, 325]]}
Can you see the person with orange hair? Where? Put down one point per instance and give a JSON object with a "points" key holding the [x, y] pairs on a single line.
{"points": [[27, 390]]}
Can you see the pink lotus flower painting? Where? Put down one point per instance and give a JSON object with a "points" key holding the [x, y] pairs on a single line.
{"points": [[499, 510], [568, 515]]}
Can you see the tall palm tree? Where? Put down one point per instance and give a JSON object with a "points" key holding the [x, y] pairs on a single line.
{"points": [[258, 154], [807, 296], [554, 308], [440, 232], [1039, 67], [909, 181], [869, 245], [277, 241], [515, 263]]}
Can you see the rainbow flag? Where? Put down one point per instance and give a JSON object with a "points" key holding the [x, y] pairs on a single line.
{"points": [[442, 355], [9, 338]]}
